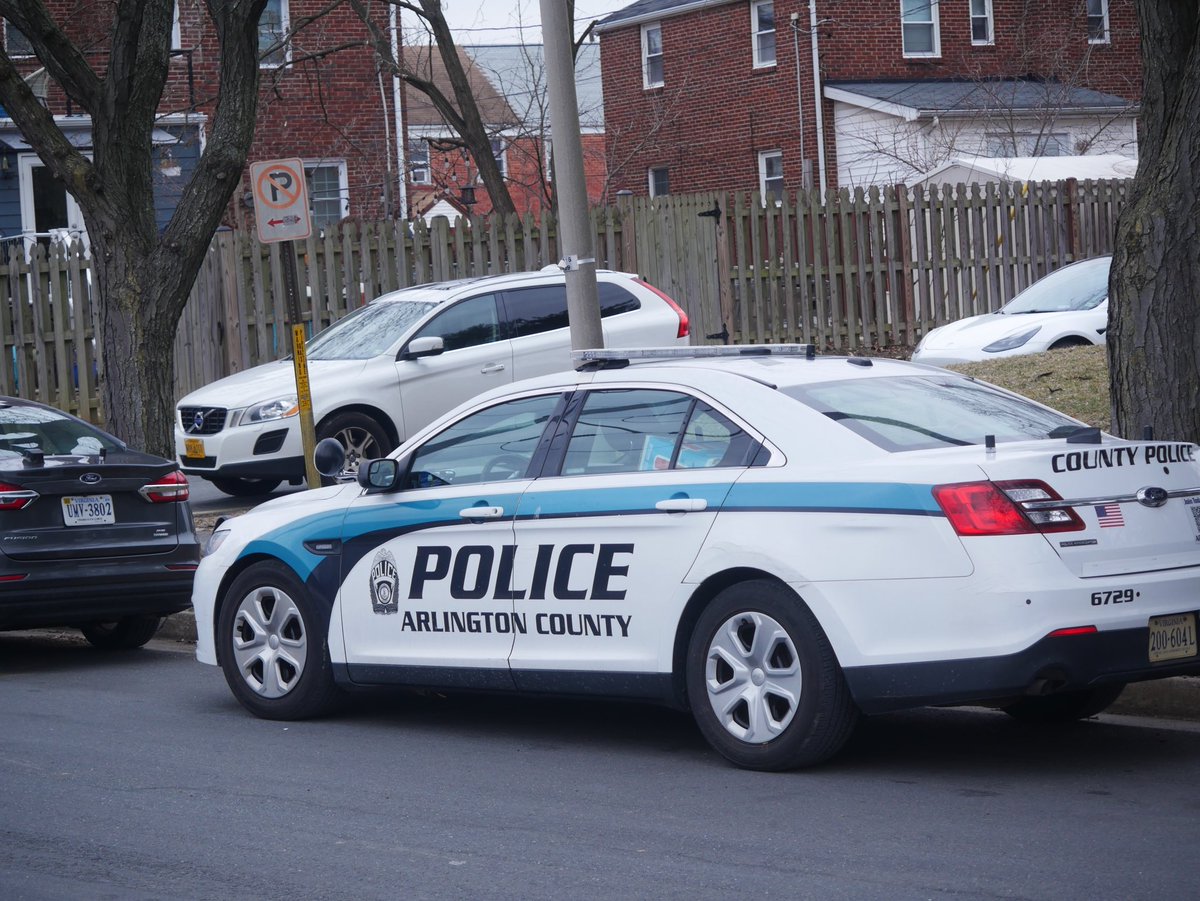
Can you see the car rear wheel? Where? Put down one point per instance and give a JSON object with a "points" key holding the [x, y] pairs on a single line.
{"points": [[124, 634], [272, 644], [362, 437], [763, 682], [246, 487], [1066, 706]]}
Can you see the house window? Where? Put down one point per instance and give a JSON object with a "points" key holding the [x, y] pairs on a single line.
{"points": [[328, 193], [418, 162], [1028, 144], [652, 56], [981, 22], [762, 23], [919, 28], [660, 182], [272, 27], [176, 30], [15, 42], [770, 175], [500, 152], [1097, 21]]}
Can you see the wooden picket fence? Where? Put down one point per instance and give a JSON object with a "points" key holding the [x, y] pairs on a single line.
{"points": [[867, 268]]}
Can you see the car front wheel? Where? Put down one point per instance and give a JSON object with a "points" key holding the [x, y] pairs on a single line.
{"points": [[361, 436], [272, 644], [763, 682]]}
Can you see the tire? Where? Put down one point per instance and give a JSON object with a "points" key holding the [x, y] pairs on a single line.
{"points": [[272, 641], [123, 635], [362, 437], [1070, 342], [246, 487], [1066, 706], [763, 682]]}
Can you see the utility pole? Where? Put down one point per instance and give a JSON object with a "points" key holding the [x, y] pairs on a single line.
{"points": [[574, 227]]}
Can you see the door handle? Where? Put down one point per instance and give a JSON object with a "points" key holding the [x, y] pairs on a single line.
{"points": [[682, 505], [492, 367], [481, 513]]}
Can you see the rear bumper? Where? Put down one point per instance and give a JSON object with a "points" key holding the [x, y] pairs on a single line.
{"points": [[81, 592], [1051, 665]]}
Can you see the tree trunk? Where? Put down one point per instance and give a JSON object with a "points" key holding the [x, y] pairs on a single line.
{"points": [[1154, 288]]}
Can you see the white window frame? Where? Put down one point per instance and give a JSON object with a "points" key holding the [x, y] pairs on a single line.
{"points": [[763, 158], [285, 23], [757, 32], [343, 185], [176, 29], [1102, 15], [16, 55], [419, 175], [982, 10], [647, 83], [932, 22], [650, 180]]}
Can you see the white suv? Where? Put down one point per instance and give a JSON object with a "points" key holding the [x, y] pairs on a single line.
{"points": [[398, 363]]}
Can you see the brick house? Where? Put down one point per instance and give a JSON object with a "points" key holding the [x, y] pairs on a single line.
{"points": [[719, 94], [322, 99]]}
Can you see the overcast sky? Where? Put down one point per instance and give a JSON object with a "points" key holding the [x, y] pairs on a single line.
{"points": [[505, 21]]}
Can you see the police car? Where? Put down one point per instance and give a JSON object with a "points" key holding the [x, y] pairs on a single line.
{"points": [[775, 540]]}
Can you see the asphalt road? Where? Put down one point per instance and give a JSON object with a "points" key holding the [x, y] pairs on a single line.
{"points": [[137, 775], [206, 499]]}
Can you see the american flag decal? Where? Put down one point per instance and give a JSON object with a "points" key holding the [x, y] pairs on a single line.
{"points": [[1109, 515]]}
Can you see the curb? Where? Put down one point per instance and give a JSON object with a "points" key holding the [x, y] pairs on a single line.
{"points": [[1176, 698]]}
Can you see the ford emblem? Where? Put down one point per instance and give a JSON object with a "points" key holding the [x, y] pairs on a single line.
{"points": [[90, 478], [1152, 496]]}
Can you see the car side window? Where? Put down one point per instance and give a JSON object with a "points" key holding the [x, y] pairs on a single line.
{"points": [[626, 430], [713, 439], [467, 323], [493, 444], [614, 299], [534, 310]]}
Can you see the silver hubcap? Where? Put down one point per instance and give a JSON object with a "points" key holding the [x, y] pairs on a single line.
{"points": [[359, 446], [753, 677], [269, 642]]}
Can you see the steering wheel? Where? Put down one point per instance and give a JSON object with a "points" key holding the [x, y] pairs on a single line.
{"points": [[514, 464]]}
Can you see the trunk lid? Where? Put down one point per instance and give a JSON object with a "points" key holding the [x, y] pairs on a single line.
{"points": [[1139, 501]]}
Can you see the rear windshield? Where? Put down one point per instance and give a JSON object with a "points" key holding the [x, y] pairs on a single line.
{"points": [[921, 412], [368, 331], [1082, 286], [25, 429]]}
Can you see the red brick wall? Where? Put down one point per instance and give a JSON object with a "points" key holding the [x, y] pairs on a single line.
{"points": [[716, 112]]}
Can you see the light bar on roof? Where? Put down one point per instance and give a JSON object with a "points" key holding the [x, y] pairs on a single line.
{"points": [[609, 355]]}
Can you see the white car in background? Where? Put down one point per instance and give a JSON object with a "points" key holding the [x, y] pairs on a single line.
{"points": [[394, 365], [1067, 308]]}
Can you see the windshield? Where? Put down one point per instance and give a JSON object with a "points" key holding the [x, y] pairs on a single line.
{"points": [[24, 429], [1081, 286], [929, 411], [368, 331]]}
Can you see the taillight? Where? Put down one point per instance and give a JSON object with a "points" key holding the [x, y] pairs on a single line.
{"points": [[14, 497], [684, 327], [1004, 508], [171, 487]]}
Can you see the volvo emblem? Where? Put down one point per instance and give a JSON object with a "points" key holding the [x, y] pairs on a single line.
{"points": [[90, 478], [197, 421], [1152, 496]]}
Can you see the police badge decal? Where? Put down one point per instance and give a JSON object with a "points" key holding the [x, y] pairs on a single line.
{"points": [[385, 583]]}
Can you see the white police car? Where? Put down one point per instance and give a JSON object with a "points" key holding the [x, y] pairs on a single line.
{"points": [[774, 540]]}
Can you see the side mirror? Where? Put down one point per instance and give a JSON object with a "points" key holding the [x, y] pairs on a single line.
{"points": [[423, 347], [379, 475], [330, 457]]}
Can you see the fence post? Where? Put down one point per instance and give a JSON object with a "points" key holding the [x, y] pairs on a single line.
{"points": [[900, 191], [1072, 220]]}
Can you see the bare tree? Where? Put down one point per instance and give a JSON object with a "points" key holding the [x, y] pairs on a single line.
{"points": [[1154, 334], [142, 276], [459, 110]]}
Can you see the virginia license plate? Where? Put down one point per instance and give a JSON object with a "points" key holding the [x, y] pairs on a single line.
{"points": [[1172, 637], [193, 447], [89, 510]]}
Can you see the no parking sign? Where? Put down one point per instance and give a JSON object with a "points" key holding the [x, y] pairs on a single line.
{"points": [[280, 200]]}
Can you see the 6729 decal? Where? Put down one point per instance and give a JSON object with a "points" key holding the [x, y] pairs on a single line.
{"points": [[1121, 596]]}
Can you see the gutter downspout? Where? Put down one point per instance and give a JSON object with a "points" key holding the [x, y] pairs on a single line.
{"points": [[397, 102], [816, 60]]}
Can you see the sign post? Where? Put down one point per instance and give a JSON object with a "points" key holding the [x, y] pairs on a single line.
{"points": [[282, 216]]}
